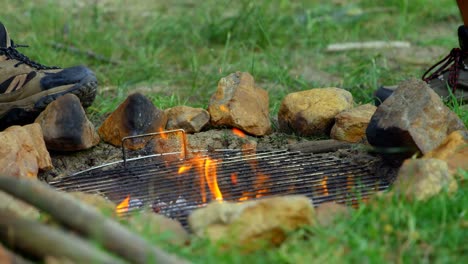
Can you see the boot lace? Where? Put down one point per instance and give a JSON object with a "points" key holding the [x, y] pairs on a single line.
{"points": [[453, 62], [12, 53]]}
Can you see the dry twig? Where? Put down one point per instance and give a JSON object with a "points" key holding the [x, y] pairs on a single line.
{"points": [[320, 146], [367, 45]]}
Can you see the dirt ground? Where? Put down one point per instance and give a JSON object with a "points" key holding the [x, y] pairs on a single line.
{"points": [[66, 164]]}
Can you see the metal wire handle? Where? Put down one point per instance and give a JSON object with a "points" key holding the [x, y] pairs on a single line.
{"points": [[181, 131]]}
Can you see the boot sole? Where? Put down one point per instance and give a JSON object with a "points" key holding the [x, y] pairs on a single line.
{"points": [[26, 110]]}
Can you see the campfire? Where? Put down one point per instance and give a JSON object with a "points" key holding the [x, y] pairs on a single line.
{"points": [[176, 183]]}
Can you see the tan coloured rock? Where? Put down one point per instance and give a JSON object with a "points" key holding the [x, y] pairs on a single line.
{"points": [[189, 119], [135, 116], [328, 212], [150, 223], [239, 103], [421, 179], [453, 150], [312, 112], [413, 118], [23, 151], [253, 224], [65, 126], [350, 125]]}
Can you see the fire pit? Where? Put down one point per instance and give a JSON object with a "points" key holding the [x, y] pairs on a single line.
{"points": [[176, 183]]}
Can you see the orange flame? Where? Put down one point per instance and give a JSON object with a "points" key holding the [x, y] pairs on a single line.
{"points": [[122, 207], [206, 169], [324, 185], [211, 179], [238, 132], [163, 134], [184, 168]]}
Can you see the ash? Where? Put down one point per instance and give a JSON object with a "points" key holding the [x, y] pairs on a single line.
{"points": [[178, 209]]}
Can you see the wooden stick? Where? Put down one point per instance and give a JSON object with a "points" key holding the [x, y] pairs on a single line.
{"points": [[367, 45], [9, 257], [320, 146], [42, 241], [87, 220], [87, 53]]}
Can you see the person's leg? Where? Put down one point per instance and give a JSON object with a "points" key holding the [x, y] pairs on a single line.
{"points": [[450, 71], [463, 7]]}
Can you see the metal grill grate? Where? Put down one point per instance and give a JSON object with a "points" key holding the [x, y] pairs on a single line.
{"points": [[153, 182]]}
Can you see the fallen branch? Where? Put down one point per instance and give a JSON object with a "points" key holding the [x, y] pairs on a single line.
{"points": [[320, 146], [8, 257], [87, 53], [87, 220], [367, 45], [42, 241]]}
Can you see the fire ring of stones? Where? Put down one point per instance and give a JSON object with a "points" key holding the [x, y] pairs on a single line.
{"points": [[413, 122]]}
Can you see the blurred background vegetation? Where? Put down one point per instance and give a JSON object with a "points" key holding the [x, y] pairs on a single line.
{"points": [[176, 51]]}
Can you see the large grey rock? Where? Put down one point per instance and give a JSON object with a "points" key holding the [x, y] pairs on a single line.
{"points": [[413, 118], [239, 103], [65, 126]]}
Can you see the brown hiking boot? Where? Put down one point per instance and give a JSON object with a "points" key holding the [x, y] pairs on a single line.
{"points": [[27, 87], [449, 79]]}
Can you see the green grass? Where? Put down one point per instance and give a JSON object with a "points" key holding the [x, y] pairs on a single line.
{"points": [[176, 52]]}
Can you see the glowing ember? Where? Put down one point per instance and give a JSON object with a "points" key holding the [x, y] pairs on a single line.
{"points": [[243, 198], [238, 132], [234, 178], [211, 178], [324, 185], [349, 183], [260, 181], [122, 207], [163, 134]]}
